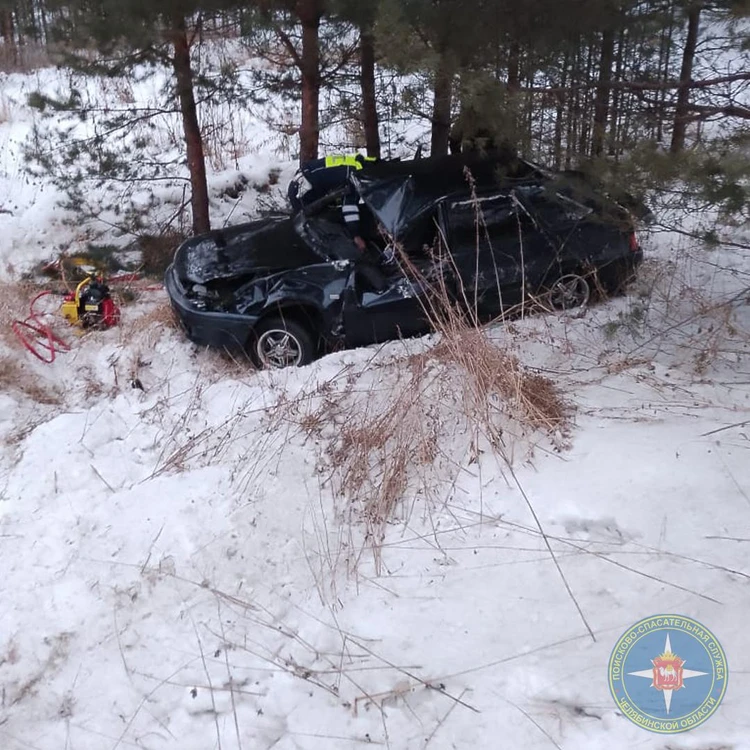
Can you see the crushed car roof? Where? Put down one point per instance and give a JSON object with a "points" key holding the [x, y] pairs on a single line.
{"points": [[398, 192]]}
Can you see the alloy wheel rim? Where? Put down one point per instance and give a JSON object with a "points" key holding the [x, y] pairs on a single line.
{"points": [[277, 348], [569, 292]]}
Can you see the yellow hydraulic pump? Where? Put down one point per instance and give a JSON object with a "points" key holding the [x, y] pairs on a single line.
{"points": [[91, 305]]}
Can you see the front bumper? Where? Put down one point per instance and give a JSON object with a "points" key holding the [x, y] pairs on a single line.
{"points": [[214, 329]]}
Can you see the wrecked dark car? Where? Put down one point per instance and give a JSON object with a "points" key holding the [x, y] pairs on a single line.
{"points": [[483, 234]]}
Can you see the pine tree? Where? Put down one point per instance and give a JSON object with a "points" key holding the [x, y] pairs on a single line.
{"points": [[129, 33], [296, 24], [363, 17], [686, 74], [442, 37]]}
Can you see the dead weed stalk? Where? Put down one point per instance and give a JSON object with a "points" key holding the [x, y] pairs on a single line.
{"points": [[14, 377], [391, 433], [681, 309]]}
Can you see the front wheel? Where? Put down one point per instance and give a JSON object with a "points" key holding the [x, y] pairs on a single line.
{"points": [[282, 343]]}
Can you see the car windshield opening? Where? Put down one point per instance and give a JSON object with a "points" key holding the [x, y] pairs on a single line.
{"points": [[328, 238]]}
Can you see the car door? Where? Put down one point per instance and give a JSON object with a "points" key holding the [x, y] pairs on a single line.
{"points": [[383, 305], [559, 219], [499, 250], [380, 307]]}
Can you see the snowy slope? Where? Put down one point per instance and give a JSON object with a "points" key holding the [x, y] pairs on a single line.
{"points": [[181, 573]]}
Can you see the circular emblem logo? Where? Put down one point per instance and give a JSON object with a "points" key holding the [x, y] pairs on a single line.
{"points": [[668, 674]]}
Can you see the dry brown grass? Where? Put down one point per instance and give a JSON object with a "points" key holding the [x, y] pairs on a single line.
{"points": [[23, 58], [396, 436], [15, 374], [140, 332], [376, 451], [14, 305], [491, 371], [14, 377], [151, 324], [488, 371], [682, 314], [402, 431]]}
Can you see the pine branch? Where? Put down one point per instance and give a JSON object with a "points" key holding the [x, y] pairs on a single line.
{"points": [[731, 110], [287, 42], [640, 85], [347, 56]]}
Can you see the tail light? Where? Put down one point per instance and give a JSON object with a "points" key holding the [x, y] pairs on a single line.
{"points": [[633, 242]]}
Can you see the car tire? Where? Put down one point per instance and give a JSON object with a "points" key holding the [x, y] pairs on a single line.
{"points": [[279, 342], [614, 282], [569, 292]]}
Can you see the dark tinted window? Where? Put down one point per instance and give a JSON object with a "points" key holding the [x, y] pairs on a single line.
{"points": [[550, 206]]}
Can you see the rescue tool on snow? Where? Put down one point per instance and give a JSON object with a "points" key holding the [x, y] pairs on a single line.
{"points": [[91, 305]]}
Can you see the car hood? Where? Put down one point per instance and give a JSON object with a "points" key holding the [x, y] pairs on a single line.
{"points": [[254, 249]]}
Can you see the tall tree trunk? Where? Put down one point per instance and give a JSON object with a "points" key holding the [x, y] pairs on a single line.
{"points": [[527, 136], [310, 13], [560, 114], [614, 117], [21, 24], [517, 133], [6, 29], [369, 102], [584, 112], [514, 67], [193, 141], [686, 74], [31, 24], [43, 22], [601, 104], [441, 109], [665, 50], [574, 99]]}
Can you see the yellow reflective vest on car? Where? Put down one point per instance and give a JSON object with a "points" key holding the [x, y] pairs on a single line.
{"points": [[354, 161]]}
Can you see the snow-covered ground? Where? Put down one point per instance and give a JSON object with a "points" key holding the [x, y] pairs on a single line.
{"points": [[180, 571]]}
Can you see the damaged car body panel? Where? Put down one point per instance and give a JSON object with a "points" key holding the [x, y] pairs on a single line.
{"points": [[504, 231], [398, 194], [247, 250]]}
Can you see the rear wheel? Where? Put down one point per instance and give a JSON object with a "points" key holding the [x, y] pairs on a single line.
{"points": [[614, 280], [282, 343], [568, 292]]}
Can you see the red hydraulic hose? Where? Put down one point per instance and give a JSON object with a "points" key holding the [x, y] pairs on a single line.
{"points": [[37, 337]]}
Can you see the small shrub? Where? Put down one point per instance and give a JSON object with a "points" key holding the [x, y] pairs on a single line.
{"points": [[103, 257], [157, 252], [274, 176], [610, 328]]}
